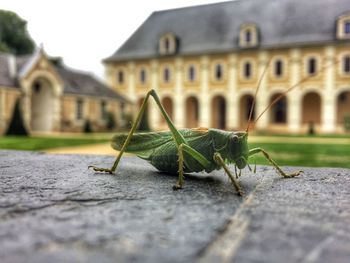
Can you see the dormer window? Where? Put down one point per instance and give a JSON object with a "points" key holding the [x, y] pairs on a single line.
{"points": [[343, 26], [168, 44], [248, 36], [347, 27]]}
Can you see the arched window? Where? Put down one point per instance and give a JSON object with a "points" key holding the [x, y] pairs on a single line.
{"points": [[168, 44], [143, 77], [278, 68], [166, 75], [311, 66], [248, 36], [191, 73], [247, 70], [343, 26], [218, 72]]}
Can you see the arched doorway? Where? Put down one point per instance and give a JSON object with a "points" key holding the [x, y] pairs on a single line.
{"points": [[42, 101], [278, 112], [343, 110], [245, 105], [218, 113], [192, 112], [167, 103], [311, 110]]}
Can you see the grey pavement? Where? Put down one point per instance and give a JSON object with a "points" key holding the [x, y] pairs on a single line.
{"points": [[52, 209]]}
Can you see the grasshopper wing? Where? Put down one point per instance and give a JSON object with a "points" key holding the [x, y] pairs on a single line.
{"points": [[141, 144]]}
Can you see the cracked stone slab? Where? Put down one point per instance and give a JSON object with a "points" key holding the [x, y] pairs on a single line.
{"points": [[53, 209]]}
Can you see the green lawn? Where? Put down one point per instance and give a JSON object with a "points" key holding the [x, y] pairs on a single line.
{"points": [[313, 155], [41, 143], [307, 153]]}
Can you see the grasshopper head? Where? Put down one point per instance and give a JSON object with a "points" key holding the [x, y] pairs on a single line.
{"points": [[239, 148]]}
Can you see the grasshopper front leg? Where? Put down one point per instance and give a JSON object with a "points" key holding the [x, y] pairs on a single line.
{"points": [[218, 159], [267, 156]]}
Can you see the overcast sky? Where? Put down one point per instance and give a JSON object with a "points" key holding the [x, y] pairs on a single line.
{"points": [[84, 32]]}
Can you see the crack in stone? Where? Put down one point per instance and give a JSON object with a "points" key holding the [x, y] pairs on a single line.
{"points": [[96, 201]]}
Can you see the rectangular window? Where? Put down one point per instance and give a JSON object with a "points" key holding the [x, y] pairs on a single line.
{"points": [[79, 108]]}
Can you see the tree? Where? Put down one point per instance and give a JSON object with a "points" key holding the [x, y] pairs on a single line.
{"points": [[16, 126], [14, 37]]}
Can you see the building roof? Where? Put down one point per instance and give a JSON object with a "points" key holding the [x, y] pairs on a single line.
{"points": [[215, 27], [75, 82], [82, 83], [6, 78]]}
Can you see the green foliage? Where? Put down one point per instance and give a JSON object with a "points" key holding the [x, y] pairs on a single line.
{"points": [[16, 126], [87, 126], [14, 37], [347, 123], [42, 143], [57, 61]]}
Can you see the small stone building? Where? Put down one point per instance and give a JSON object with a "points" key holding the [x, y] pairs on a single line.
{"points": [[205, 62], [55, 98]]}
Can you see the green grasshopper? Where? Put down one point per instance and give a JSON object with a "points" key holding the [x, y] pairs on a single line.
{"points": [[194, 150]]}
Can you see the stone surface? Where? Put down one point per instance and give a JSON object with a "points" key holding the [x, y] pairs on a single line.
{"points": [[53, 209]]}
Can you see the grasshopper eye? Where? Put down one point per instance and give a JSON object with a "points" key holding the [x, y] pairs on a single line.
{"points": [[234, 138]]}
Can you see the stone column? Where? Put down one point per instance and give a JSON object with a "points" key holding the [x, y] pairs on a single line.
{"points": [[204, 99], [179, 109], [153, 111], [294, 96], [263, 95], [329, 101], [232, 99]]}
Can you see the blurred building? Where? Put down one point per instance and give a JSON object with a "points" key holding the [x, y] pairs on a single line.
{"points": [[54, 98], [205, 63]]}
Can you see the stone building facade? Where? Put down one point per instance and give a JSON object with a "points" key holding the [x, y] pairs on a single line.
{"points": [[205, 62], [54, 98]]}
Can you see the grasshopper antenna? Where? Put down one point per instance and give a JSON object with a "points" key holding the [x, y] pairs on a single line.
{"points": [[292, 87], [256, 93]]}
